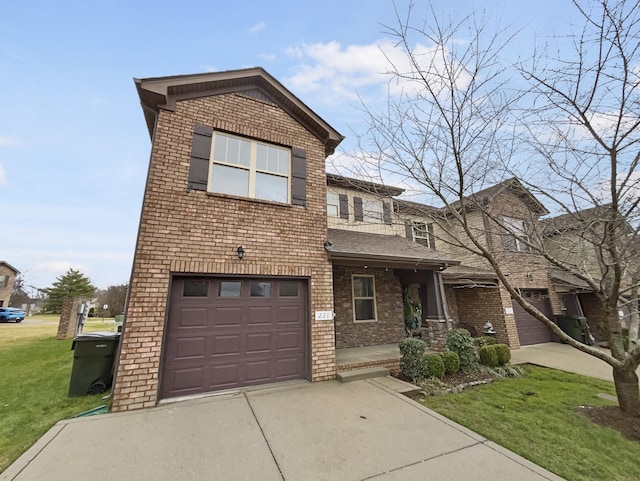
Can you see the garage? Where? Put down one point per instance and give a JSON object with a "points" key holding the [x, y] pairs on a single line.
{"points": [[225, 333], [530, 330]]}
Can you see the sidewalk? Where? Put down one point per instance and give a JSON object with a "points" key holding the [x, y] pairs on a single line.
{"points": [[324, 431], [565, 358]]}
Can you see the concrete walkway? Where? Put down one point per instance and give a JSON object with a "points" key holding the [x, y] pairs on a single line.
{"points": [[324, 431], [565, 358]]}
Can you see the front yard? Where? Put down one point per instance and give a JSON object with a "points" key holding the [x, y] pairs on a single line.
{"points": [[34, 379], [539, 417]]}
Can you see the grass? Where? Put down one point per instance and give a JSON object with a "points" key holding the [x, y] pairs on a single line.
{"points": [[537, 417], [34, 374]]}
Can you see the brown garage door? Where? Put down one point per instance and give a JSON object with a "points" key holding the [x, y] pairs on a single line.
{"points": [[530, 330], [228, 333]]}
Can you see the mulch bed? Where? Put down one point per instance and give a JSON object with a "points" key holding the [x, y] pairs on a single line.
{"points": [[613, 417]]}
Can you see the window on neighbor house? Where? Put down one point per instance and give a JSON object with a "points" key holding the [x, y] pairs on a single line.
{"points": [[333, 204], [515, 238], [364, 298], [4, 281], [372, 211], [422, 233], [249, 168]]}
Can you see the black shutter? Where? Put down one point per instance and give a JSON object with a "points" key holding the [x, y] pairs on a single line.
{"points": [[357, 208], [408, 230], [298, 177], [200, 153], [386, 213], [344, 206], [432, 238]]}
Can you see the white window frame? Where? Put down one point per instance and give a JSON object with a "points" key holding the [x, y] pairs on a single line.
{"points": [[372, 211], [517, 230], [372, 298], [331, 205], [420, 231], [252, 168]]}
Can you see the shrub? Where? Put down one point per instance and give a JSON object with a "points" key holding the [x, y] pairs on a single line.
{"points": [[433, 366], [484, 341], [451, 362], [488, 356], [461, 342], [504, 354], [411, 354]]}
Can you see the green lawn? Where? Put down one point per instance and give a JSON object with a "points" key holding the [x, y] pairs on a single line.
{"points": [[537, 417], [34, 380]]}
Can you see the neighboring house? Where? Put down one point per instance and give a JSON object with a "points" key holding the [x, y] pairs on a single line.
{"points": [[8, 275]]}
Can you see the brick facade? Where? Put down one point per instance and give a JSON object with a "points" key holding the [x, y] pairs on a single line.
{"points": [[389, 327], [197, 232]]}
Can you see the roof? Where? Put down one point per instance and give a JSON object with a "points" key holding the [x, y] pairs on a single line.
{"points": [[6, 264], [363, 185], [559, 276], [392, 249], [163, 92], [416, 208], [581, 219], [511, 186], [469, 276]]}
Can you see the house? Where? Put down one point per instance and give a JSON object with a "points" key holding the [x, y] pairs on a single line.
{"points": [[8, 275]]}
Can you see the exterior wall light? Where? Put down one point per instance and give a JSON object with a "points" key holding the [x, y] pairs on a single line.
{"points": [[240, 252]]}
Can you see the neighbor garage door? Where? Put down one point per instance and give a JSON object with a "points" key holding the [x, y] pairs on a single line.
{"points": [[530, 330], [228, 333]]}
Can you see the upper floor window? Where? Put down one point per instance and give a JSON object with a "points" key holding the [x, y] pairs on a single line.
{"points": [[373, 211], [333, 204], [515, 238], [249, 168], [4, 281], [423, 234]]}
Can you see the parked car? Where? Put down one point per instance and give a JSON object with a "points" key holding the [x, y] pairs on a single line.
{"points": [[11, 314]]}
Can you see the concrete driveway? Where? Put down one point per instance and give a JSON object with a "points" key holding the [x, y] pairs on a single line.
{"points": [[326, 431]]}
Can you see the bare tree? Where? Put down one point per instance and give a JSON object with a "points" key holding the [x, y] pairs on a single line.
{"points": [[460, 125]]}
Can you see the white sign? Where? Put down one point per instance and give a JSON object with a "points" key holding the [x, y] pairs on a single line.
{"points": [[105, 307], [508, 310], [324, 315]]}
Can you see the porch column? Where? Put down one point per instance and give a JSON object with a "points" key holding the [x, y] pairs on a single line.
{"points": [[434, 296]]}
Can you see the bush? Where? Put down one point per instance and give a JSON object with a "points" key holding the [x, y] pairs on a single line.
{"points": [[461, 342], [485, 341], [504, 354], [488, 356], [451, 362], [411, 354], [433, 366]]}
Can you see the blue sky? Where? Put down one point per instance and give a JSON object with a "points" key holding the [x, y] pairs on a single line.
{"points": [[74, 147]]}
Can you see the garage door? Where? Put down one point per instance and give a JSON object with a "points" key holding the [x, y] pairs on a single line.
{"points": [[229, 333], [530, 330]]}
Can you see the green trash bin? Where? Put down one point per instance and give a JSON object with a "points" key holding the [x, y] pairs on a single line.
{"points": [[574, 326], [93, 359]]}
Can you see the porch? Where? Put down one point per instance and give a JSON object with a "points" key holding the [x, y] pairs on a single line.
{"points": [[384, 355]]}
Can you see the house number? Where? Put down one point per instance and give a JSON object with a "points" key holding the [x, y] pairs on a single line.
{"points": [[324, 315]]}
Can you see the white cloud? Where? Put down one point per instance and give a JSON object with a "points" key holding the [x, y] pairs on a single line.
{"points": [[7, 141], [3, 176], [343, 73], [268, 56], [257, 28]]}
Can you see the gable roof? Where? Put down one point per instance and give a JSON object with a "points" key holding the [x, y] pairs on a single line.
{"points": [[163, 92], [391, 249], [580, 219], [9, 266], [511, 186], [362, 185]]}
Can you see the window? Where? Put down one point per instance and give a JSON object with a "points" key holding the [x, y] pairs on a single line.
{"points": [[260, 289], [364, 298], [333, 204], [288, 289], [422, 233], [373, 211], [4, 281], [230, 288], [516, 237], [195, 288], [249, 168]]}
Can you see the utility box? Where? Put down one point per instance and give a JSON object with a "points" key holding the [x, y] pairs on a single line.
{"points": [[93, 361]]}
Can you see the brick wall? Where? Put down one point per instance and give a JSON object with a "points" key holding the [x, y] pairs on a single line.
{"points": [[389, 327], [197, 232]]}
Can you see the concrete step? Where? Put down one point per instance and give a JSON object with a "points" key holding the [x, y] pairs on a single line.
{"points": [[360, 374], [402, 387]]}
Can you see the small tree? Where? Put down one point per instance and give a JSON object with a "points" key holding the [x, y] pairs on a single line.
{"points": [[114, 297], [72, 283], [19, 295]]}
